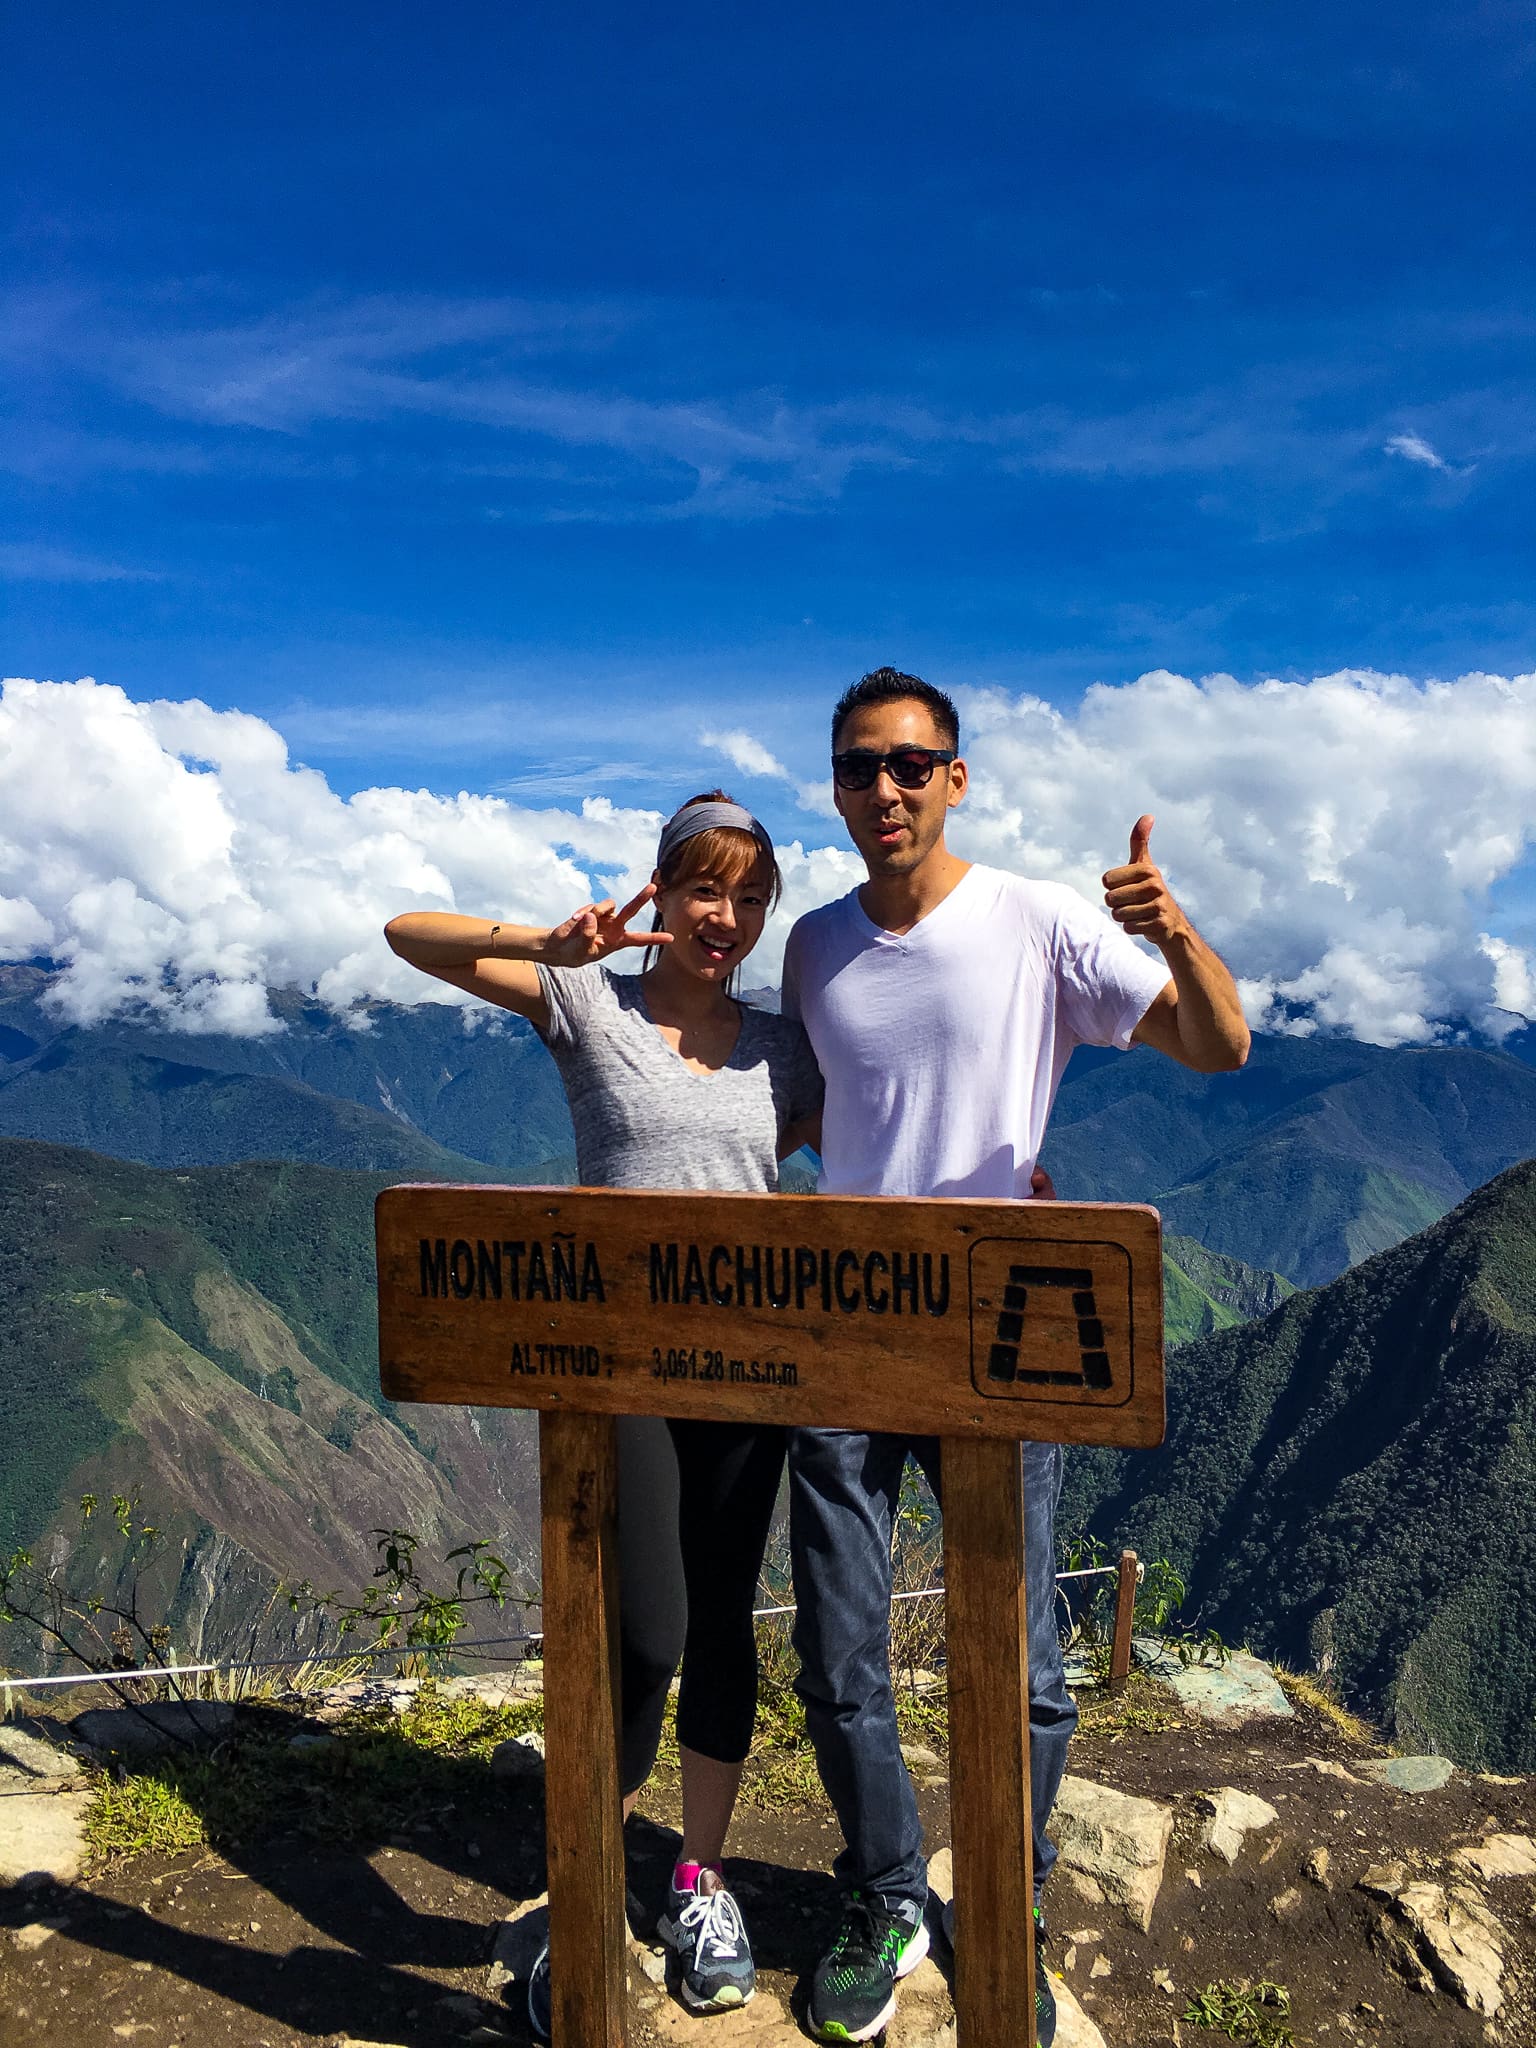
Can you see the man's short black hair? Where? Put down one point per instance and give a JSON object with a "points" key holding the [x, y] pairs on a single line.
{"points": [[890, 686]]}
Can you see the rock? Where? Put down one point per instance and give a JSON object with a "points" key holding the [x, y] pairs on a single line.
{"points": [[462, 2004], [917, 1758], [1500, 1856], [1325, 1768], [1241, 1690], [1074, 2029], [25, 1754], [763, 2022], [1234, 1816], [1101, 1967], [522, 1757], [1409, 1773], [310, 1740], [1285, 1903], [1112, 1845], [37, 1933], [148, 1731], [1460, 1940], [42, 1837], [517, 1943], [1401, 1953], [1383, 1880], [1316, 1867], [941, 1874]]}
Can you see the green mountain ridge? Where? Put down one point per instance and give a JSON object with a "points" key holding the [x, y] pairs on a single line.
{"points": [[172, 1113], [208, 1340], [476, 1082], [1351, 1483], [1318, 1153]]}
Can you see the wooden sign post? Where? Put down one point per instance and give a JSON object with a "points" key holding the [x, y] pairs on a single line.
{"points": [[979, 1322]]}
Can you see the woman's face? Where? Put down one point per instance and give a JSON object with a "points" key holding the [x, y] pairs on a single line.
{"points": [[714, 924]]}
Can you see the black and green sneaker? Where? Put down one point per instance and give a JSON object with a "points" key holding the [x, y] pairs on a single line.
{"points": [[853, 1992], [1045, 1997]]}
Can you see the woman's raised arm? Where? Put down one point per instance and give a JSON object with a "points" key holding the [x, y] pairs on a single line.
{"points": [[498, 962]]}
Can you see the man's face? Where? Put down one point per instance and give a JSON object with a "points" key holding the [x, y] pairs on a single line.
{"points": [[896, 829]]}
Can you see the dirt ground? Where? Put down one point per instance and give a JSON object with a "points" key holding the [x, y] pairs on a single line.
{"points": [[281, 1942]]}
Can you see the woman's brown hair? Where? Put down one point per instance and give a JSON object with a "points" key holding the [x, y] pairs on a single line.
{"points": [[725, 852]]}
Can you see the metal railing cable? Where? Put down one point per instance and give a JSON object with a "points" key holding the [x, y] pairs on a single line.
{"points": [[475, 1651]]}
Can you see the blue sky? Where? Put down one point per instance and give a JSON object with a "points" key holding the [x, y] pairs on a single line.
{"points": [[498, 396]]}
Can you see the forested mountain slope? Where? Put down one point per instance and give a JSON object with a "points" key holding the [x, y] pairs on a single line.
{"points": [[1317, 1154], [208, 1339], [1320, 1152], [476, 1082], [1352, 1482]]}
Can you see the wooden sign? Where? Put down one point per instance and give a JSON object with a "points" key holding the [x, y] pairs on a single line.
{"points": [[981, 1322], [955, 1318]]}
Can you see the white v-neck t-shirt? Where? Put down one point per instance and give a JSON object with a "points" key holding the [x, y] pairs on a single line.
{"points": [[943, 1047]]}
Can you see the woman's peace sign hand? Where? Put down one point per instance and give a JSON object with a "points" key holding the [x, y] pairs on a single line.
{"points": [[599, 929]]}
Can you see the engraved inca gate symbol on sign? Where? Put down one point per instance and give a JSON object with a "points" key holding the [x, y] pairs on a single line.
{"points": [[1052, 1332]]}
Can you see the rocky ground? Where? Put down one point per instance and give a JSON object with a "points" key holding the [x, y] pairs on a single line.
{"points": [[1215, 1837]]}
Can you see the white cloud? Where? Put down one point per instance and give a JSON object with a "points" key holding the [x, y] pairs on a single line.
{"points": [[173, 859], [1338, 840], [746, 753], [1414, 448], [753, 758], [24, 562]]}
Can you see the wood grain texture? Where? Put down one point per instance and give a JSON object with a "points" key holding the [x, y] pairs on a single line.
{"points": [[957, 1318], [578, 1477], [1125, 1617], [988, 1669]]}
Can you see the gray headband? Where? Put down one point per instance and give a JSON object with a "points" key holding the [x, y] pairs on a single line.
{"points": [[711, 817]]}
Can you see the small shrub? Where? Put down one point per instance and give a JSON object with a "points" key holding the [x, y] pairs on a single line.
{"points": [[1310, 1691], [1254, 2014]]}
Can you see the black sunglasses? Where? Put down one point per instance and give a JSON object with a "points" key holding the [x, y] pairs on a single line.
{"points": [[908, 767]]}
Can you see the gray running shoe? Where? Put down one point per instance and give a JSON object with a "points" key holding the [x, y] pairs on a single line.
{"points": [[538, 1995], [704, 1930]]}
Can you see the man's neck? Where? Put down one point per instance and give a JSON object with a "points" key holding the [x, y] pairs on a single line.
{"points": [[898, 902]]}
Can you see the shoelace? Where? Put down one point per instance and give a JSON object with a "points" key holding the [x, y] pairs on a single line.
{"points": [[717, 1919], [861, 1934]]}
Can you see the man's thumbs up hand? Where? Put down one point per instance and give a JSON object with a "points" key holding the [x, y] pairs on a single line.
{"points": [[1136, 896]]}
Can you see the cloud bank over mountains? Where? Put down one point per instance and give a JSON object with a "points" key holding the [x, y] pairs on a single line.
{"points": [[1341, 840]]}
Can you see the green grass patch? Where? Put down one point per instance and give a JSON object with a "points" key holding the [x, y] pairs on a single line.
{"points": [[1254, 2014], [1142, 1706], [379, 1774], [142, 1814]]}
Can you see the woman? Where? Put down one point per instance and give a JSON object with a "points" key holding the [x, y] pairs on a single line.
{"points": [[671, 1083]]}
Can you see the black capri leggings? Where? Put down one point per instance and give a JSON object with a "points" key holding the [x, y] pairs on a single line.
{"points": [[695, 1502]]}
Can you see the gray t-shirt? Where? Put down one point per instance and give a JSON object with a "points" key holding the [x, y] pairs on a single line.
{"points": [[644, 1118]]}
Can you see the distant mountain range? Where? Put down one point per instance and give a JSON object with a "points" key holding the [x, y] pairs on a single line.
{"points": [[1347, 1480], [433, 1089], [207, 1339], [1319, 1153], [1351, 1483]]}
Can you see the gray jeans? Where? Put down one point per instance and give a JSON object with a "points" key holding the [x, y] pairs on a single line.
{"points": [[844, 1487]]}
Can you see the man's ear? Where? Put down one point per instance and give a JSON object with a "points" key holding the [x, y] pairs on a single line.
{"points": [[959, 782]]}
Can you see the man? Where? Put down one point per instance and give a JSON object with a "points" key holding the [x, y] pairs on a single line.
{"points": [[943, 1001]]}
